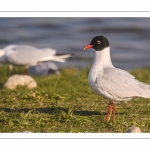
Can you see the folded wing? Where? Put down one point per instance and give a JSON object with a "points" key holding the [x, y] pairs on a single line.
{"points": [[121, 85]]}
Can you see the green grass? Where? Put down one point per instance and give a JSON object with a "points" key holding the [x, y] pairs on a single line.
{"points": [[66, 103]]}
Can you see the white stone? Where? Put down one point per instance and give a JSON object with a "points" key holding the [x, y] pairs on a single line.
{"points": [[20, 80], [134, 129], [26, 132], [23, 132]]}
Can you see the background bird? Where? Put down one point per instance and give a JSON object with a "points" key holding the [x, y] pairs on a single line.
{"points": [[112, 83], [44, 69], [25, 55]]}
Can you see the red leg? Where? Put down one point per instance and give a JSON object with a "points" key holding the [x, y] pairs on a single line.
{"points": [[26, 70], [108, 111], [114, 112]]}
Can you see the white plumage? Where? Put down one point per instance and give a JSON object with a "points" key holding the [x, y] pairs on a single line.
{"points": [[26, 55]]}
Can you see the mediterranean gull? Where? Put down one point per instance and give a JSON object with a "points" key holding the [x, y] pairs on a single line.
{"points": [[25, 55], [112, 83]]}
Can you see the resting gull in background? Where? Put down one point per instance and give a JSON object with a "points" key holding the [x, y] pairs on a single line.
{"points": [[25, 55]]}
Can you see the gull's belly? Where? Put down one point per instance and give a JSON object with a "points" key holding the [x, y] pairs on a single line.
{"points": [[98, 90], [103, 93]]}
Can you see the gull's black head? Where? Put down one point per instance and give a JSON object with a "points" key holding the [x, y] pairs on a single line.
{"points": [[98, 43]]}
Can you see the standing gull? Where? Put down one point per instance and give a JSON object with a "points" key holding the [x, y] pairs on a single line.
{"points": [[25, 55], [112, 83]]}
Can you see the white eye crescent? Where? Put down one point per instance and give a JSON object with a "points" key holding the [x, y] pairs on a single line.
{"points": [[98, 42]]}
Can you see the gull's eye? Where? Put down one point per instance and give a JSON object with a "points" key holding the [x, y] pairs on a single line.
{"points": [[98, 42]]}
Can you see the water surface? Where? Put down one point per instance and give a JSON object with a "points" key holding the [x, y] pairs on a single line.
{"points": [[129, 38]]}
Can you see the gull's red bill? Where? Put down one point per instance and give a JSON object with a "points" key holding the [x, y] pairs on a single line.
{"points": [[88, 46]]}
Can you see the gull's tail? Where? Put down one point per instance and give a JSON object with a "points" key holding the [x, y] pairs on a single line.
{"points": [[57, 57], [61, 57]]}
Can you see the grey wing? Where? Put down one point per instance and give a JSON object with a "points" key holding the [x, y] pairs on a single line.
{"points": [[121, 85], [50, 51], [49, 54], [23, 55]]}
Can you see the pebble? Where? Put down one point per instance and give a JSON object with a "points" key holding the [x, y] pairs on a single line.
{"points": [[20, 80], [134, 129]]}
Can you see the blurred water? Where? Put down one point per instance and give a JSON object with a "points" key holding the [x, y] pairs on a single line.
{"points": [[129, 38]]}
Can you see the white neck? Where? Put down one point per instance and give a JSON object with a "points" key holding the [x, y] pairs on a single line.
{"points": [[101, 60]]}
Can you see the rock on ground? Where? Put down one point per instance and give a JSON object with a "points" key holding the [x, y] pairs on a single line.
{"points": [[26, 132], [23, 132], [20, 80], [134, 129]]}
